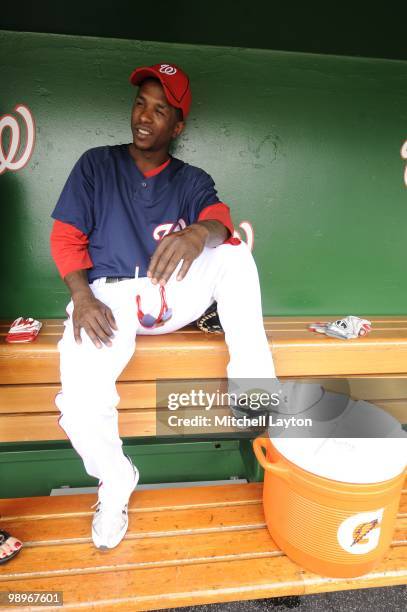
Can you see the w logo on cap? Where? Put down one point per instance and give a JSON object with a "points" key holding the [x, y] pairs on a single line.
{"points": [[167, 69]]}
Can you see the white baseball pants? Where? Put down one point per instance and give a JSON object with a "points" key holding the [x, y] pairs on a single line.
{"points": [[88, 399]]}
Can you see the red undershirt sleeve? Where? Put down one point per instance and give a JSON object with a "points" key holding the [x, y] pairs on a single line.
{"points": [[220, 212], [69, 248]]}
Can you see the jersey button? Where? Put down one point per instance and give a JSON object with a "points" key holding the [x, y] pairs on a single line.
{"points": [[144, 184]]}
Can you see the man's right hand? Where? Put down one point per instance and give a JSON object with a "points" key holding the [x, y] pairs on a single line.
{"points": [[89, 313], [95, 318]]}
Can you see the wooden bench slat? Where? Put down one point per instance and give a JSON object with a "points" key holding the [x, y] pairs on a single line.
{"points": [[153, 524], [180, 585], [31, 508], [145, 500], [294, 326], [40, 360], [211, 359], [40, 398], [369, 388], [37, 427], [16, 421], [309, 360], [403, 502], [146, 524], [400, 533], [149, 551], [140, 422], [55, 326], [40, 426], [147, 589], [28, 398]]}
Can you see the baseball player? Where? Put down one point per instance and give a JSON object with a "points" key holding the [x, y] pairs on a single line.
{"points": [[145, 246]]}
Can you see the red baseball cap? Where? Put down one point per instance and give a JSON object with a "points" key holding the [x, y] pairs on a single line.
{"points": [[174, 81]]}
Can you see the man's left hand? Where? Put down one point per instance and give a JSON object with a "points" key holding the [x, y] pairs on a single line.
{"points": [[186, 244]]}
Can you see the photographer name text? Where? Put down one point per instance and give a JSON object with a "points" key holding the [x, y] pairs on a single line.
{"points": [[262, 420]]}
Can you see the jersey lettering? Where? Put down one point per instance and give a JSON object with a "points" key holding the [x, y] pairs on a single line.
{"points": [[167, 228]]}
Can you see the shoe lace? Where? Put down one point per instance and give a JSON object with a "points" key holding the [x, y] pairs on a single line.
{"points": [[113, 512]]}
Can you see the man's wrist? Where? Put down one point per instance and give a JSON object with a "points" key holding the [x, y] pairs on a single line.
{"points": [[216, 232], [78, 285], [203, 229], [81, 294]]}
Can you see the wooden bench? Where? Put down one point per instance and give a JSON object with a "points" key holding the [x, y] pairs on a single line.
{"points": [[184, 546], [29, 373]]}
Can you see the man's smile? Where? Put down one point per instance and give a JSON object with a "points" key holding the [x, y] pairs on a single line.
{"points": [[143, 131]]}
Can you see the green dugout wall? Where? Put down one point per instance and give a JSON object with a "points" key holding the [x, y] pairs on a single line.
{"points": [[306, 148]]}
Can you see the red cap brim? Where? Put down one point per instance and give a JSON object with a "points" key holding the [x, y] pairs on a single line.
{"points": [[138, 76]]}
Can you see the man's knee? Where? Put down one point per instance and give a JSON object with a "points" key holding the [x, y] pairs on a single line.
{"points": [[83, 401]]}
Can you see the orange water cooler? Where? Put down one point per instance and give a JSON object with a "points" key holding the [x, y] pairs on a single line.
{"points": [[331, 503]]}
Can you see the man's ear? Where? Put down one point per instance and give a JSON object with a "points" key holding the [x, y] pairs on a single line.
{"points": [[178, 129]]}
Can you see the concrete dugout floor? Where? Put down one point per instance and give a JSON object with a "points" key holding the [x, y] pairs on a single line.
{"points": [[369, 600]]}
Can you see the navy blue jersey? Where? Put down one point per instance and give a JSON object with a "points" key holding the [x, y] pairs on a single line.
{"points": [[123, 213]]}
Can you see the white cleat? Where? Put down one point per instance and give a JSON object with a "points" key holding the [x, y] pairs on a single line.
{"points": [[110, 522], [109, 526]]}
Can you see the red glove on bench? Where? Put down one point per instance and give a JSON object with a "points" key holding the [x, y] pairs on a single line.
{"points": [[23, 330]]}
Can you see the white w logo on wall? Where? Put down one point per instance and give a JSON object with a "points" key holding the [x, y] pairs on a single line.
{"points": [[13, 159], [404, 156]]}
